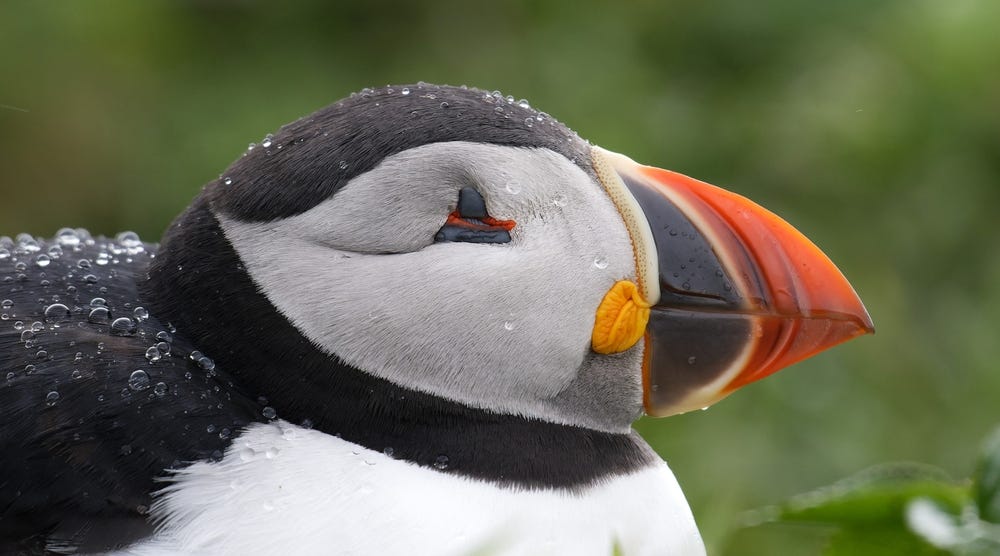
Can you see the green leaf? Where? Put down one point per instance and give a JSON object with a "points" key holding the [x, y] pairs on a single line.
{"points": [[875, 496], [878, 541], [987, 480]]}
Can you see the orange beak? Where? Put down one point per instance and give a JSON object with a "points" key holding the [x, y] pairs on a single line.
{"points": [[737, 293]]}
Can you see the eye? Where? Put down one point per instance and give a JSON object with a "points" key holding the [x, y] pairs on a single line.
{"points": [[470, 222]]}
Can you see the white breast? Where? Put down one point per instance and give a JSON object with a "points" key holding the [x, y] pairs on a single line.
{"points": [[282, 489]]}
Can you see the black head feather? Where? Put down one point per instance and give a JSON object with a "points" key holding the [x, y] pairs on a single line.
{"points": [[308, 160]]}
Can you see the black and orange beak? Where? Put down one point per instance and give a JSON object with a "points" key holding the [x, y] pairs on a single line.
{"points": [[736, 293]]}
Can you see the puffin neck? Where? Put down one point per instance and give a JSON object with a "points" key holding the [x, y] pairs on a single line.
{"points": [[198, 283]]}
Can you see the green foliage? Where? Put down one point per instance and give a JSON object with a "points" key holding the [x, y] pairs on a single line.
{"points": [[987, 487], [902, 509]]}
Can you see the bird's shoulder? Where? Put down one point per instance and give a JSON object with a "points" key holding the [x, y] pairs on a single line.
{"points": [[99, 396]]}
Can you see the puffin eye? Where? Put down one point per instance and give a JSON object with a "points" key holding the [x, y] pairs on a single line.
{"points": [[470, 222]]}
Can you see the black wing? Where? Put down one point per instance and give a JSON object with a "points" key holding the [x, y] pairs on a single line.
{"points": [[98, 398]]}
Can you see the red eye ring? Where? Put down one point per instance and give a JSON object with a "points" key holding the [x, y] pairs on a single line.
{"points": [[470, 223]]}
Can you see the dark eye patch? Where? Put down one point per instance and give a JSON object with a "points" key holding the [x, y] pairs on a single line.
{"points": [[471, 223]]}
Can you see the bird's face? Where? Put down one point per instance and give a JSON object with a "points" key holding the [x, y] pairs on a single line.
{"points": [[573, 286]]}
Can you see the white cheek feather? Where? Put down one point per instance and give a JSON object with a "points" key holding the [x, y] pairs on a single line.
{"points": [[282, 489]]}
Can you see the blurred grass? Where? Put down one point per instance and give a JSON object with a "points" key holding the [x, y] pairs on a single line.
{"points": [[873, 127]]}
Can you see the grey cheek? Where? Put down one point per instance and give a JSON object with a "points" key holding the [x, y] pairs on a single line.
{"points": [[501, 327]]}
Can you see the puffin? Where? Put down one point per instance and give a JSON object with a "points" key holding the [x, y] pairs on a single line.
{"points": [[419, 321]]}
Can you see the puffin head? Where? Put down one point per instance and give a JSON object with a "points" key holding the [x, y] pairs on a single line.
{"points": [[454, 242]]}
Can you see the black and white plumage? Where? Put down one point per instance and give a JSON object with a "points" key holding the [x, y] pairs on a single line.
{"points": [[304, 365]]}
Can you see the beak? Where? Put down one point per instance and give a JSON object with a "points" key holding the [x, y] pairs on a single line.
{"points": [[735, 292]]}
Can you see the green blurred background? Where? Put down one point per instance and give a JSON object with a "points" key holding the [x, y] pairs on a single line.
{"points": [[874, 127]]}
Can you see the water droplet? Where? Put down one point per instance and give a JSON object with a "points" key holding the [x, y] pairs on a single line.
{"points": [[18, 325], [21, 266], [10, 376], [271, 452], [90, 279], [601, 263], [445, 104], [559, 200], [268, 139], [498, 109], [125, 450], [6, 304], [123, 326], [342, 164], [206, 363], [441, 462], [41, 355], [43, 260], [76, 375], [269, 412], [99, 315], [27, 244], [529, 121], [388, 451], [247, 454], [164, 336], [4, 253], [37, 326], [523, 103], [228, 181], [508, 325], [57, 312], [210, 429], [129, 239], [692, 360], [153, 354], [138, 380], [513, 187], [103, 259], [160, 389], [68, 237], [405, 91], [163, 348], [140, 314], [51, 398], [727, 286], [55, 251]]}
